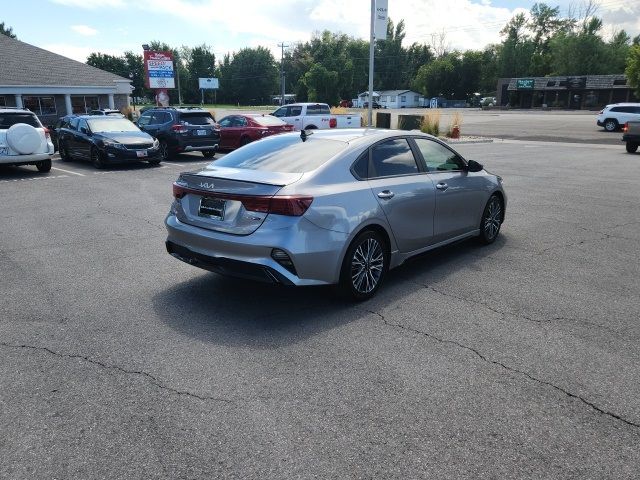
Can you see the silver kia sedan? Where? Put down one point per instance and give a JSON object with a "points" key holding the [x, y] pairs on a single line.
{"points": [[331, 207]]}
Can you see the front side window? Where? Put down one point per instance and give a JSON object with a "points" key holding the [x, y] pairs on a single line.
{"points": [[281, 112], [438, 158], [393, 157], [295, 111]]}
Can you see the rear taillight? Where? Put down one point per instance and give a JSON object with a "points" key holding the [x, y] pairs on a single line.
{"points": [[333, 123], [179, 128], [625, 129], [47, 134], [290, 205]]}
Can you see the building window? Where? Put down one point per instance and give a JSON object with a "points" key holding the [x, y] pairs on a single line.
{"points": [[620, 81], [3, 102], [82, 104], [40, 105], [551, 83], [403, 98], [416, 98], [392, 98]]}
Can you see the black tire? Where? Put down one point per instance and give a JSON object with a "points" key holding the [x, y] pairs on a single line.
{"points": [[209, 153], [310, 127], [491, 220], [44, 166], [611, 125], [364, 266], [96, 158], [164, 151], [64, 153], [632, 147]]}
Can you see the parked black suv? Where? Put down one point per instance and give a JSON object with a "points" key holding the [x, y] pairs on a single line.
{"points": [[181, 129]]}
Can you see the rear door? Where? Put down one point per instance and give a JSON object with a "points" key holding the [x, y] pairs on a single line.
{"points": [[404, 191]]}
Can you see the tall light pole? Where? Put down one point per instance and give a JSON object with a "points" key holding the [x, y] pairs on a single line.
{"points": [[371, 53], [178, 77], [282, 90]]}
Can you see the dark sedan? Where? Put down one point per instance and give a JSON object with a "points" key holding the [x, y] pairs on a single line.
{"points": [[238, 130], [105, 140]]}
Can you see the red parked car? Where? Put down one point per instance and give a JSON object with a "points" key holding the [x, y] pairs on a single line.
{"points": [[238, 130]]}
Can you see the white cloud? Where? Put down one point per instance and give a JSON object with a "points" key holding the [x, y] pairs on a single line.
{"points": [[91, 4], [78, 53], [85, 30]]}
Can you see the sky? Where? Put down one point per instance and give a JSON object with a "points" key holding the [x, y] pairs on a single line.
{"points": [[75, 28]]}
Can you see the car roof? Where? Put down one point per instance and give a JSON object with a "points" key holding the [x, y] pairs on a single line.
{"points": [[181, 109], [355, 135], [624, 104]]}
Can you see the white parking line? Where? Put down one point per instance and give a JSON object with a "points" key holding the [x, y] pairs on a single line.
{"points": [[174, 164], [68, 171], [30, 179]]}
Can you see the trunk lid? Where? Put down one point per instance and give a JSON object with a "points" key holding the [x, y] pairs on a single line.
{"points": [[227, 199]]}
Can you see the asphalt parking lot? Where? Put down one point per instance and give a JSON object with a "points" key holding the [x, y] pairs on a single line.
{"points": [[516, 360]]}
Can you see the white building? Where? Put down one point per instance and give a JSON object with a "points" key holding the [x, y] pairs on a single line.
{"points": [[392, 99]]}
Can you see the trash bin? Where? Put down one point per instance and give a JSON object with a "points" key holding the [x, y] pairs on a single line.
{"points": [[383, 120], [409, 122]]}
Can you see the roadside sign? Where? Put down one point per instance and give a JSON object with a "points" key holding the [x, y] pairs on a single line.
{"points": [[382, 13], [158, 67], [524, 83], [208, 83]]}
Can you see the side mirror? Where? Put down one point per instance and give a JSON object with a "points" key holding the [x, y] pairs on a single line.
{"points": [[473, 166]]}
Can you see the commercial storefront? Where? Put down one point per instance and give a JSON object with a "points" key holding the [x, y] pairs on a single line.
{"points": [[52, 86], [586, 92]]}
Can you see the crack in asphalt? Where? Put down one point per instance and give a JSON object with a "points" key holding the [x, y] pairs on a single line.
{"points": [[153, 380], [505, 367]]}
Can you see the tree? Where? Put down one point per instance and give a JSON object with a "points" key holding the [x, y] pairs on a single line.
{"points": [[248, 77], [633, 69], [322, 85], [436, 79], [201, 63], [7, 30]]}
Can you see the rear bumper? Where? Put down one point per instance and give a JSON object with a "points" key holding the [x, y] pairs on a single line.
{"points": [[199, 148], [630, 138], [23, 159], [315, 252]]}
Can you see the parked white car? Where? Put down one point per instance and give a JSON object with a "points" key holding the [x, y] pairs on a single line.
{"points": [[614, 116], [23, 139], [308, 116]]}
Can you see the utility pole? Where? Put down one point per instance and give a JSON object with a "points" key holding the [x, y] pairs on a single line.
{"points": [[282, 90]]}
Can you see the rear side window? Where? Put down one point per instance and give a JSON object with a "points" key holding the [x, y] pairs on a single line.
{"points": [[200, 118], [318, 110], [390, 158], [9, 119], [268, 120], [283, 153]]}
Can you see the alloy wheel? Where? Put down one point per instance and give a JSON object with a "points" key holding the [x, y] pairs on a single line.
{"points": [[367, 265], [492, 219]]}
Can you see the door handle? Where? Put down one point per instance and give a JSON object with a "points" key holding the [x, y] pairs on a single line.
{"points": [[386, 195], [442, 186]]}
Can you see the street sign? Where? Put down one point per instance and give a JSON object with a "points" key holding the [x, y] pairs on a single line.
{"points": [[208, 83], [524, 83]]}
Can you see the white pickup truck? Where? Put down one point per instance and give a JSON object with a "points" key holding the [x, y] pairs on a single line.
{"points": [[315, 115]]}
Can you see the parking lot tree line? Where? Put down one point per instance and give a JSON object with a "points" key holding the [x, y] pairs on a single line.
{"points": [[333, 66]]}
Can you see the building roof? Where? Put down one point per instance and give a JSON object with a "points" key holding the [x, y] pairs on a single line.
{"points": [[26, 65]]}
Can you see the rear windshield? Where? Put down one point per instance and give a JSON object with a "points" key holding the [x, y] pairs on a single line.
{"points": [[9, 119], [111, 125], [318, 110], [268, 121], [200, 118], [283, 154]]}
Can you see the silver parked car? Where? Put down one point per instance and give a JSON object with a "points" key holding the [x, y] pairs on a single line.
{"points": [[331, 207]]}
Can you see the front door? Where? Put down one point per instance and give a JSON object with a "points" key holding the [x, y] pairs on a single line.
{"points": [[405, 193]]}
